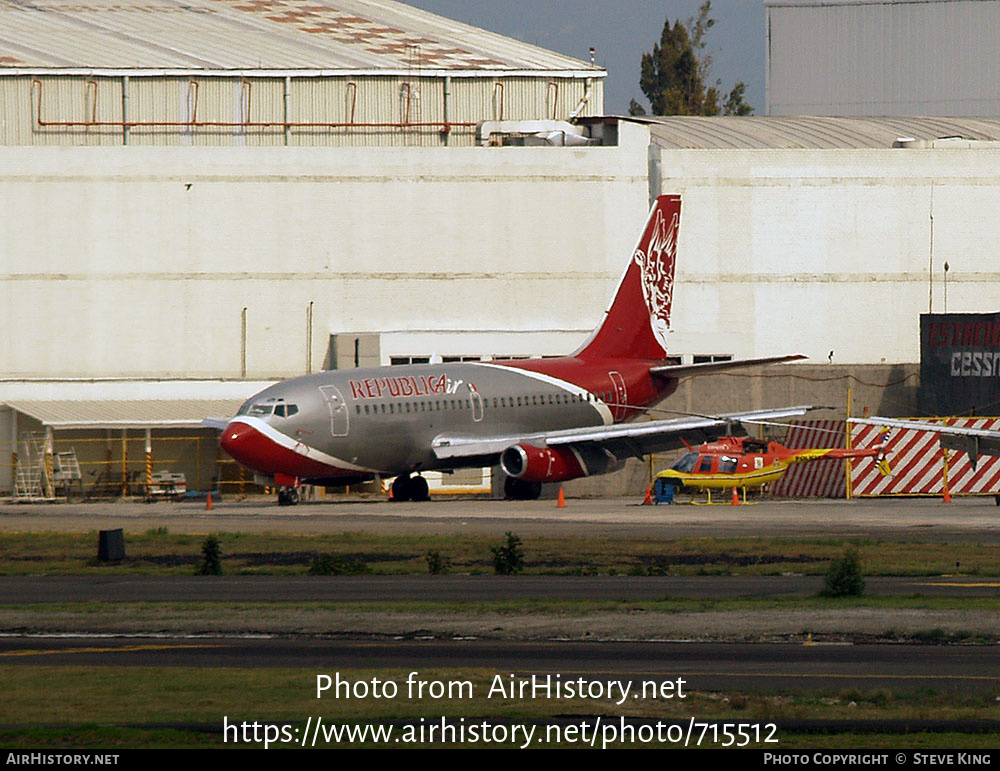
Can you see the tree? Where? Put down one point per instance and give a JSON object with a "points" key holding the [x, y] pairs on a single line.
{"points": [[675, 74]]}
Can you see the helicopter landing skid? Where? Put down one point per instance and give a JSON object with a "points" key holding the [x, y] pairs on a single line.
{"points": [[737, 502]]}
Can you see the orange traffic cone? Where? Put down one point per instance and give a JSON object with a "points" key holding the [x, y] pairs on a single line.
{"points": [[208, 503], [561, 502], [648, 500], [947, 495], [736, 498]]}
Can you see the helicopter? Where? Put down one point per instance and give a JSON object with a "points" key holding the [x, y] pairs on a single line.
{"points": [[744, 462]]}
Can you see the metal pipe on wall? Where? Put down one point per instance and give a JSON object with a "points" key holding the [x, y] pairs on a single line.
{"points": [[125, 124], [309, 338], [243, 344], [446, 131], [288, 117]]}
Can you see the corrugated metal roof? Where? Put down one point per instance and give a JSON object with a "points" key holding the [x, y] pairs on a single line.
{"points": [[257, 34], [153, 413], [700, 133]]}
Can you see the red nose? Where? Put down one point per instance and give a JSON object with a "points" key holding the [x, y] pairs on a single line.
{"points": [[246, 445], [279, 455]]}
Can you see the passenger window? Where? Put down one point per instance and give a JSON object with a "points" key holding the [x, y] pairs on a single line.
{"points": [[706, 463], [727, 465]]}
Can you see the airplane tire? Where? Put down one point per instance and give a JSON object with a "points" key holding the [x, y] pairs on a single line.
{"points": [[401, 489], [519, 490], [287, 497], [418, 489]]}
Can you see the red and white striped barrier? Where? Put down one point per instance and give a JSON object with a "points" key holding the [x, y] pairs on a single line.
{"points": [[917, 464], [818, 478]]}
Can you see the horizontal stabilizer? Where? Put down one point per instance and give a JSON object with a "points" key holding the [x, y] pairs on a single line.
{"points": [[711, 367]]}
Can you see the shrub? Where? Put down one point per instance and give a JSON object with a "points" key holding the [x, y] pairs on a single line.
{"points": [[211, 557], [437, 563], [843, 579], [336, 565], [508, 558]]}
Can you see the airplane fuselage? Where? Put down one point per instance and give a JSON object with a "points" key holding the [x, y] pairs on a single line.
{"points": [[347, 424]]}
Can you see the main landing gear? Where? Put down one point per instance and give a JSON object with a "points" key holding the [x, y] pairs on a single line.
{"points": [[287, 496], [407, 488], [519, 490]]}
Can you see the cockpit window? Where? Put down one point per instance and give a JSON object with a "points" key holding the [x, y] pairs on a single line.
{"points": [[686, 462], [267, 407]]}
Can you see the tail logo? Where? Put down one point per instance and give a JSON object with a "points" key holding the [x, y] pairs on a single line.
{"points": [[656, 264]]}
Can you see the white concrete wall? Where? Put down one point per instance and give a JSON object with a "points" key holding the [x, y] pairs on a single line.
{"points": [[111, 266], [137, 262], [808, 251]]}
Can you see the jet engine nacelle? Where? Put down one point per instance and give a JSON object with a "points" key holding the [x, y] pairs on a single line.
{"points": [[556, 464]]}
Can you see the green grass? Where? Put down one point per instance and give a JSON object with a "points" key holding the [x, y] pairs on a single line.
{"points": [[159, 552], [101, 707], [537, 606]]}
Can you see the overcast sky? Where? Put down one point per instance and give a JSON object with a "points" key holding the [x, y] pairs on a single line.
{"points": [[621, 31]]}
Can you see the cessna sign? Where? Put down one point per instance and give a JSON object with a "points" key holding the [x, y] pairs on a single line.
{"points": [[959, 363]]}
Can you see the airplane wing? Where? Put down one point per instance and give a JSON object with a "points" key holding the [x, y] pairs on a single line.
{"points": [[974, 441], [711, 367], [623, 440]]}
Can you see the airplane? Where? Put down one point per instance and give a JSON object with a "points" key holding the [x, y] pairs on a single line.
{"points": [[973, 441], [741, 461], [542, 420]]}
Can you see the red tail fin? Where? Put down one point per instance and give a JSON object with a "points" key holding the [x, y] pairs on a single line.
{"points": [[635, 324]]}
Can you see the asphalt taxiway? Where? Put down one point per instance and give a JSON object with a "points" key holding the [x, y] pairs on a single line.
{"points": [[969, 519]]}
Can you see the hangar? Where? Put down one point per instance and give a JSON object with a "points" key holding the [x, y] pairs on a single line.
{"points": [[882, 57], [270, 73], [201, 261]]}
